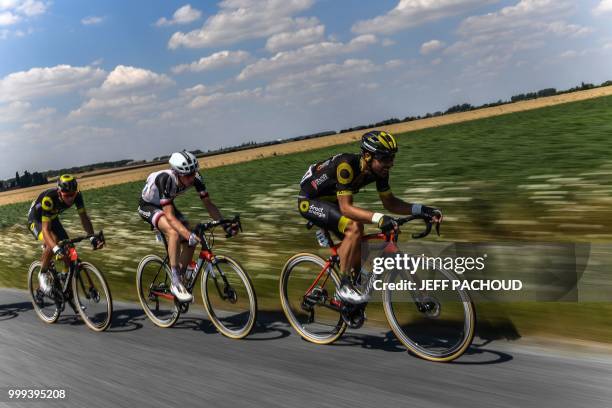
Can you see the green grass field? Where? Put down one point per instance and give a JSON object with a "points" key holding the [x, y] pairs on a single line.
{"points": [[541, 175]]}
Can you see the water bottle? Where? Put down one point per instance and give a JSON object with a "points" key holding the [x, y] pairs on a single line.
{"points": [[322, 238], [159, 237]]}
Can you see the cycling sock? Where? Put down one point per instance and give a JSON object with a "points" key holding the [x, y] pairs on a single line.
{"points": [[175, 276]]}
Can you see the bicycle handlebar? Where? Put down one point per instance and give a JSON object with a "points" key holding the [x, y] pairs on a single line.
{"points": [[65, 242], [428, 224], [203, 227]]}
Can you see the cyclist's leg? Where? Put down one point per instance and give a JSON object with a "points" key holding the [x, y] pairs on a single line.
{"points": [[59, 234], [327, 215], [350, 248], [35, 228], [186, 252], [154, 216], [172, 238]]}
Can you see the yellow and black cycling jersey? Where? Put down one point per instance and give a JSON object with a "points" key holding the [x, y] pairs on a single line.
{"points": [[343, 174], [48, 206]]}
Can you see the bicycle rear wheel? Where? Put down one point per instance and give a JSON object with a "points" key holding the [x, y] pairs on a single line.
{"points": [[308, 305], [45, 306], [153, 287], [436, 325], [92, 297], [229, 297]]}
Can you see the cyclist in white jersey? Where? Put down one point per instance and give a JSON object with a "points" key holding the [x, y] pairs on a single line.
{"points": [[157, 208]]}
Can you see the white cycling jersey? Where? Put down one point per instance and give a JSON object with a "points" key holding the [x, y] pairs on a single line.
{"points": [[162, 187]]}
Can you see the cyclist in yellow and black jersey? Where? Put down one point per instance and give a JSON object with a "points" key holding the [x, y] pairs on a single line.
{"points": [[326, 199], [45, 225]]}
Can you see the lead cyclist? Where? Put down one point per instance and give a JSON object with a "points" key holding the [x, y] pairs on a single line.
{"points": [[326, 199], [157, 208]]}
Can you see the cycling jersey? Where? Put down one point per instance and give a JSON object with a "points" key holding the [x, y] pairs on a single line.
{"points": [[342, 174], [162, 187], [47, 207]]}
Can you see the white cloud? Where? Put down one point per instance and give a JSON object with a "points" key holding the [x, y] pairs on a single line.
{"points": [[92, 20], [569, 54], [19, 112], [240, 20], [283, 41], [126, 78], [489, 42], [411, 13], [126, 93], [604, 6], [221, 97], [387, 42], [431, 46], [183, 15], [305, 55], [217, 60], [31, 8], [48, 81], [394, 63], [7, 18], [323, 74]]}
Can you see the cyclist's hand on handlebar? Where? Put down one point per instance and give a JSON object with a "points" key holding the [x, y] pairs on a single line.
{"points": [[231, 229], [96, 242], [387, 224], [431, 213], [59, 251]]}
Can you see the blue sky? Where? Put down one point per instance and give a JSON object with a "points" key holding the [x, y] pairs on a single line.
{"points": [[82, 82]]}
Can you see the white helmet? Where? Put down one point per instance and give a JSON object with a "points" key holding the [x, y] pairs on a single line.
{"points": [[184, 162]]}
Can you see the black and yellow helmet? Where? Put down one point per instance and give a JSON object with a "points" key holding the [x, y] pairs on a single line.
{"points": [[379, 143], [67, 183]]}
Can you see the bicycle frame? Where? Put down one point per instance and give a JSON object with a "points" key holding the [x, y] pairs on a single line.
{"points": [[205, 256], [334, 258]]}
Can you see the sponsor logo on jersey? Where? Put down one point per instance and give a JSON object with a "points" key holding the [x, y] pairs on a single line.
{"points": [[317, 211], [317, 182]]}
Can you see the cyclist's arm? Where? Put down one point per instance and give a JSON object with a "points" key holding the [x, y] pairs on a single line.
{"points": [[47, 235], [212, 209], [86, 223], [345, 202], [175, 222], [394, 204]]}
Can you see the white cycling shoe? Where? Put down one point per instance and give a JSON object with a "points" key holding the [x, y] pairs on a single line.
{"points": [[45, 282], [347, 293], [181, 294]]}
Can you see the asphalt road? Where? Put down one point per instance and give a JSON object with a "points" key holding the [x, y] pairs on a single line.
{"points": [[135, 364]]}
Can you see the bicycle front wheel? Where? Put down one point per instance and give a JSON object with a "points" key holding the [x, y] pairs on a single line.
{"points": [[435, 324], [153, 287], [45, 307], [229, 297], [307, 296], [92, 297]]}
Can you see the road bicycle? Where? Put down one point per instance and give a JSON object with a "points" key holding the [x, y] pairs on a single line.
{"points": [[83, 287], [436, 325], [227, 291]]}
